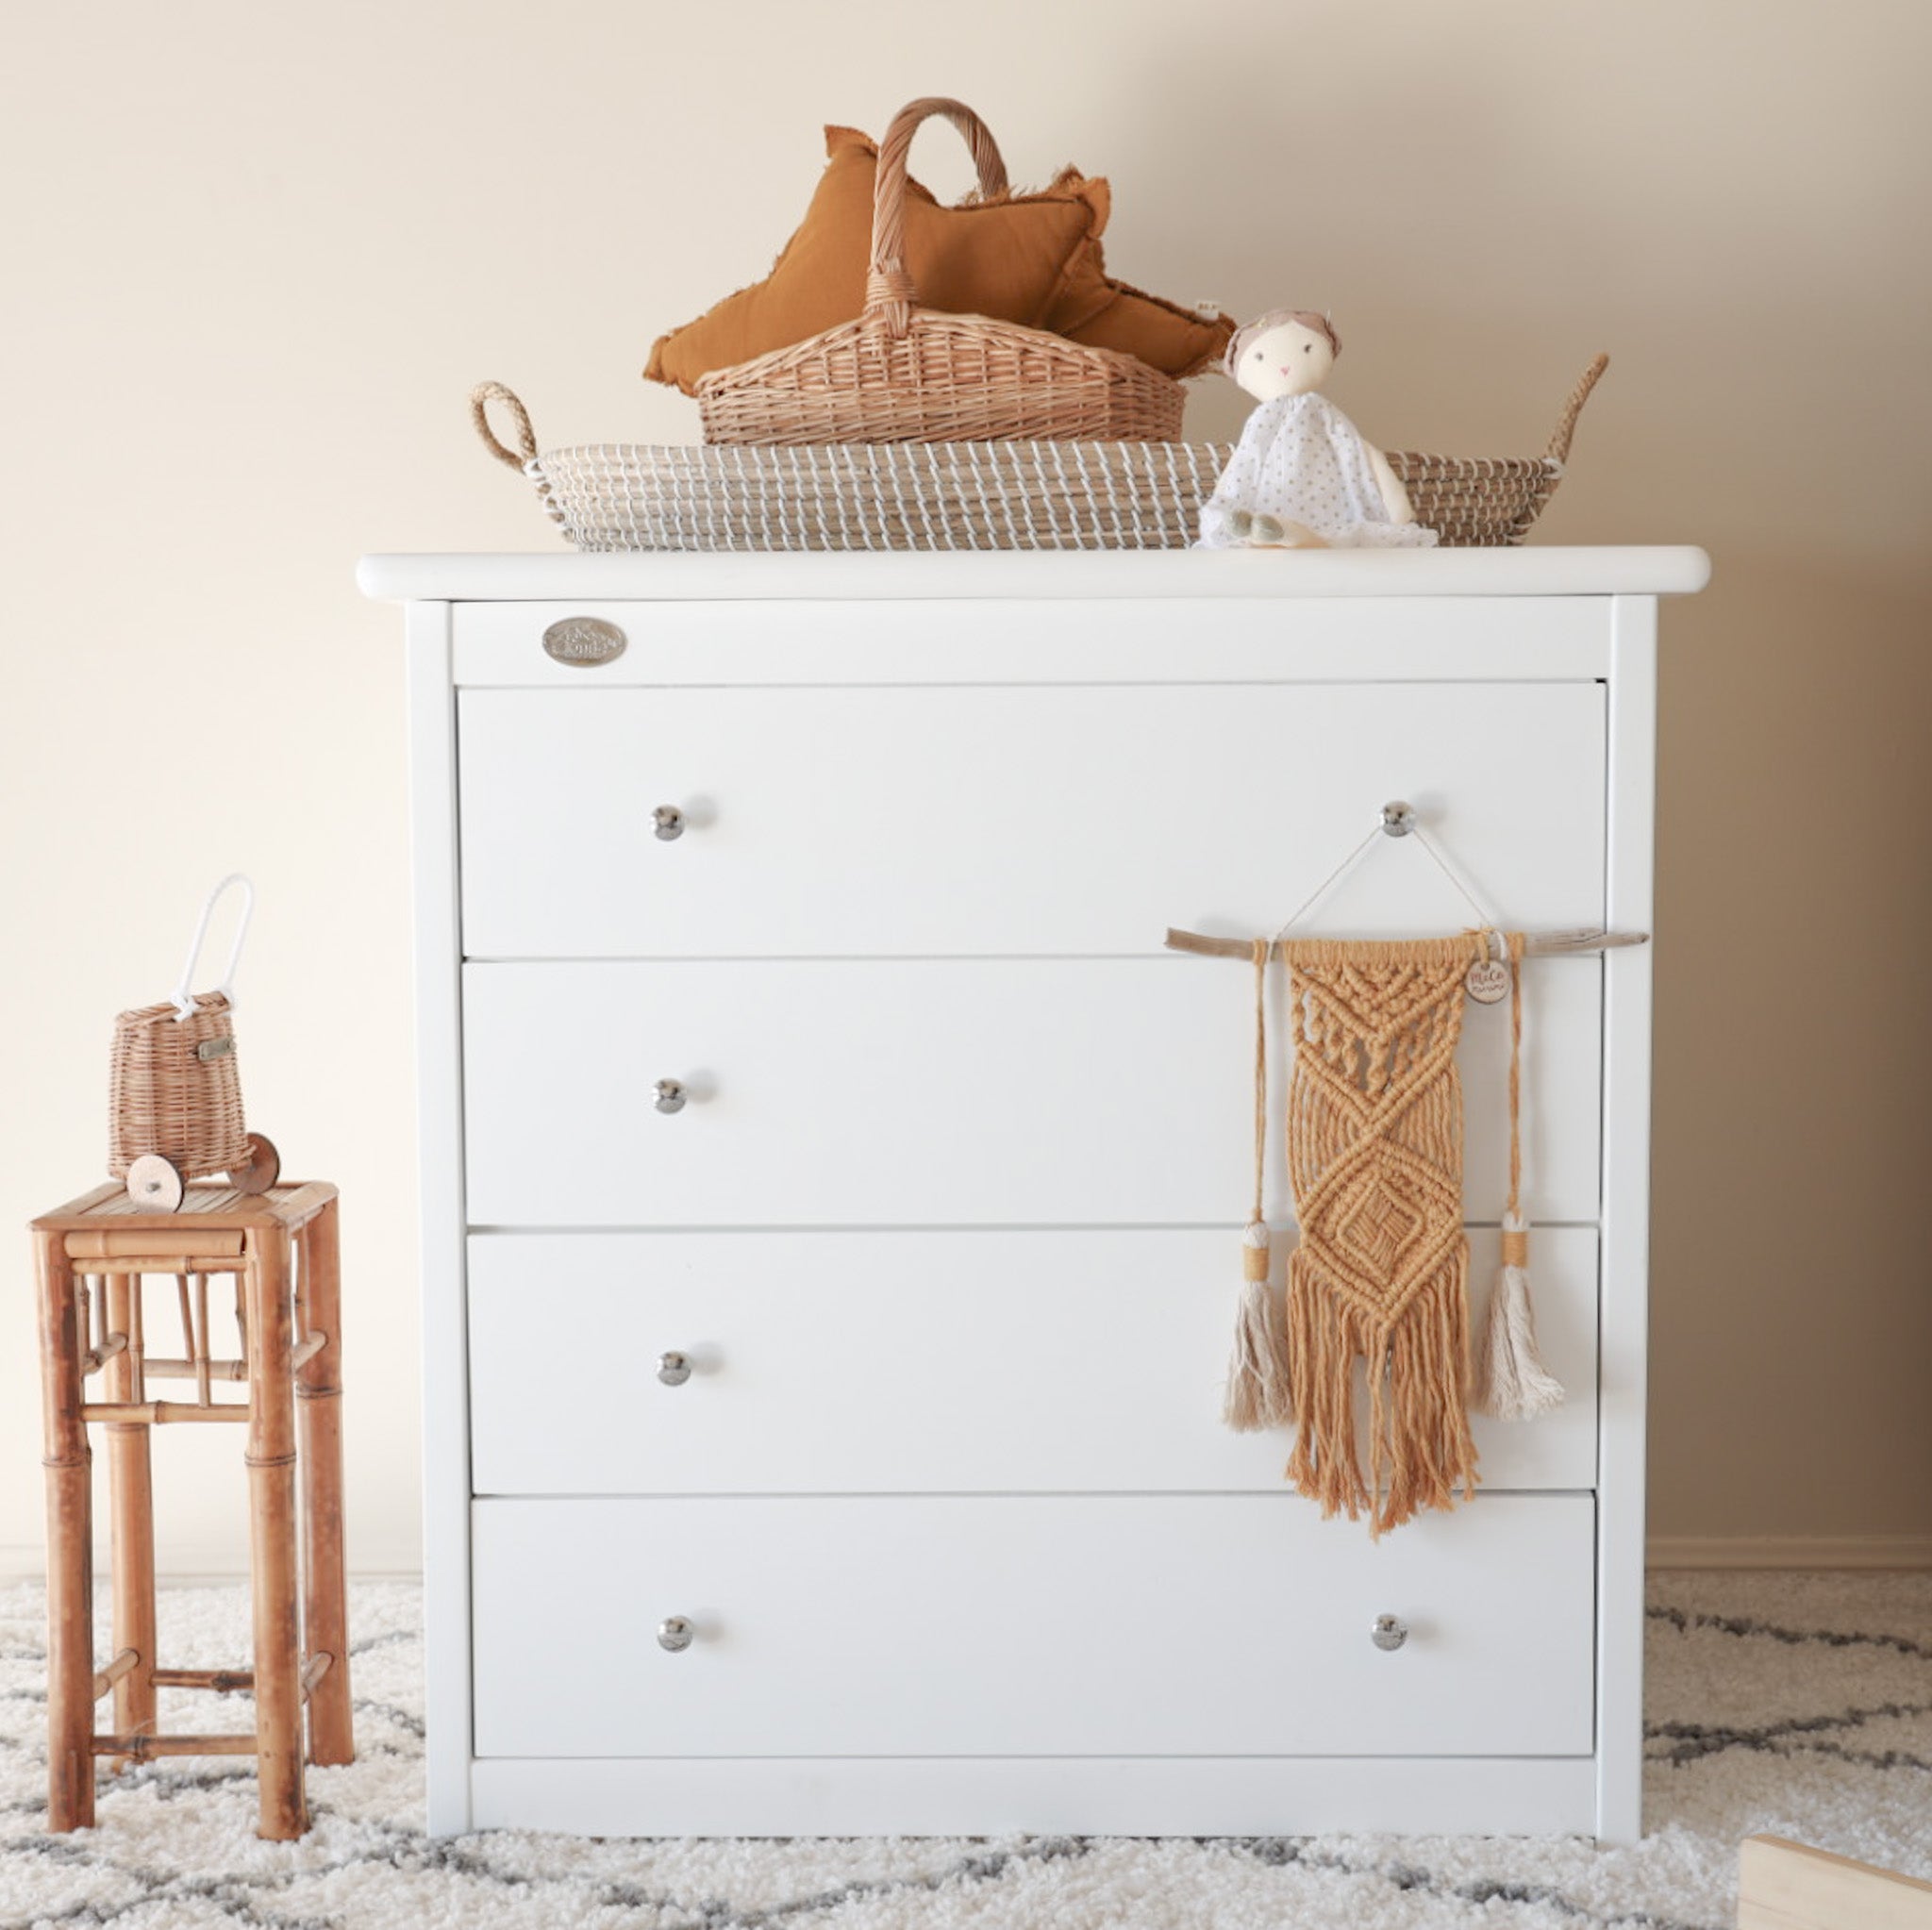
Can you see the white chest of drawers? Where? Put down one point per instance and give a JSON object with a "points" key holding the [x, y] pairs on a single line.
{"points": [[927, 1525]]}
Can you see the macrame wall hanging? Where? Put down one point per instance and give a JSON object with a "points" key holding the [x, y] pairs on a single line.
{"points": [[1376, 1298]]}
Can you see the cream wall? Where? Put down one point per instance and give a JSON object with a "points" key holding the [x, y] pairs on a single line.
{"points": [[256, 256]]}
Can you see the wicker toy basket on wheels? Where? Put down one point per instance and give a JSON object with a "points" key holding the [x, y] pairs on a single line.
{"points": [[175, 1095]]}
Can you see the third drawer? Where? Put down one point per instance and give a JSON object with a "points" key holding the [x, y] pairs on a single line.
{"points": [[889, 1362]]}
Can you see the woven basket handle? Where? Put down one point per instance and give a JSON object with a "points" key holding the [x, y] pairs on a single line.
{"points": [[184, 1003], [1559, 450], [889, 292], [480, 398]]}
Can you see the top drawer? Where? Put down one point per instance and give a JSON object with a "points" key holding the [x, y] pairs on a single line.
{"points": [[1000, 820]]}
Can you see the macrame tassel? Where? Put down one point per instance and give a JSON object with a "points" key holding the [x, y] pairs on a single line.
{"points": [[1511, 1382], [1258, 1393]]}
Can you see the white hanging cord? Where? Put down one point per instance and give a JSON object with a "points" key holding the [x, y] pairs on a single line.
{"points": [[184, 1003], [1486, 919], [1326, 885]]}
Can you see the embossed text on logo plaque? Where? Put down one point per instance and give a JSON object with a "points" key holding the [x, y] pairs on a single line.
{"points": [[584, 642]]}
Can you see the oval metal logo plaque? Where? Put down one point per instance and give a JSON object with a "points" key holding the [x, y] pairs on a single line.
{"points": [[584, 642]]}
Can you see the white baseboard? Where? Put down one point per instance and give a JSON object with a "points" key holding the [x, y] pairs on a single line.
{"points": [[27, 1562], [1788, 1550]]}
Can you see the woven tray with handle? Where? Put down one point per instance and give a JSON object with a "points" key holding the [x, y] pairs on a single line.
{"points": [[1027, 495]]}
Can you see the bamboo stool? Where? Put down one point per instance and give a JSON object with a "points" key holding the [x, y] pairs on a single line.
{"points": [[282, 1248]]}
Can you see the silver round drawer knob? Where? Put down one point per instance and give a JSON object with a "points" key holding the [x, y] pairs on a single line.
{"points": [[1389, 1632], [673, 1369], [669, 821], [670, 1095], [674, 1633]]}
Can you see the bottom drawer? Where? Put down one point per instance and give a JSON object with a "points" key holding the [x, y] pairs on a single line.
{"points": [[1029, 1625]]}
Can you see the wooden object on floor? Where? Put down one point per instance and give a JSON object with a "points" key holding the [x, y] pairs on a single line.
{"points": [[1786, 1886], [283, 1249]]}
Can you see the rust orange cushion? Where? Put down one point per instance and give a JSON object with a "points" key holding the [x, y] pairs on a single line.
{"points": [[1030, 259], [1179, 341]]}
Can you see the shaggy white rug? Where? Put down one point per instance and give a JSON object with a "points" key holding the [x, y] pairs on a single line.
{"points": [[1799, 1703]]}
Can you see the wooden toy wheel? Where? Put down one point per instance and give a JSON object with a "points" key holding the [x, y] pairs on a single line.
{"points": [[155, 1184], [263, 1168]]}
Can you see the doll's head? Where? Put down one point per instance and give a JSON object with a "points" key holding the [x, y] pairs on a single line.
{"points": [[1285, 352]]}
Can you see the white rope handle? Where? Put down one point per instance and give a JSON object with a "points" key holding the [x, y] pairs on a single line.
{"points": [[184, 1004]]}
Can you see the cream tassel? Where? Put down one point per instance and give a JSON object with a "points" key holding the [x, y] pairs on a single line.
{"points": [[1258, 1372], [1511, 1382], [1257, 1395]]}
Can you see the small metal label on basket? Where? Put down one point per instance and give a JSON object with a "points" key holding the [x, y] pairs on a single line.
{"points": [[584, 642], [215, 1048]]}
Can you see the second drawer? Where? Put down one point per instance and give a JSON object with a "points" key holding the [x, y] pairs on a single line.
{"points": [[924, 1092], [908, 1362]]}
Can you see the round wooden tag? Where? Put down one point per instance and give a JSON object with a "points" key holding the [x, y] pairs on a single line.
{"points": [[1488, 981]]}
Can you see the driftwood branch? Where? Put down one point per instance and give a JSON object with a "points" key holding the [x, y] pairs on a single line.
{"points": [[1539, 945]]}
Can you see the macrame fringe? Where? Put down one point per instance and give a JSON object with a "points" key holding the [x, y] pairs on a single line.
{"points": [[1419, 1442], [1511, 1382], [1257, 1388]]}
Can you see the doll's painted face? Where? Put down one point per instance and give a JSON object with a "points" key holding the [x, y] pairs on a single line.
{"points": [[1287, 359]]}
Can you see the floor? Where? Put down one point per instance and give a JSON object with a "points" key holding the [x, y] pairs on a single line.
{"points": [[1796, 1704]]}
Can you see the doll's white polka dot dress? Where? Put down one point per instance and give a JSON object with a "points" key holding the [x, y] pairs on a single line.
{"points": [[1301, 460]]}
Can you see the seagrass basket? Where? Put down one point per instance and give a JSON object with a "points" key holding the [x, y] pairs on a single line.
{"points": [[175, 1091], [969, 495], [904, 373]]}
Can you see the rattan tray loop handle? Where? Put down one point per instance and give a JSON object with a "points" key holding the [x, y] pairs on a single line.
{"points": [[480, 398], [890, 291], [184, 1004], [1559, 450]]}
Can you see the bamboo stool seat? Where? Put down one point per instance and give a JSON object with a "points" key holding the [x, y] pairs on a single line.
{"points": [[282, 1248]]}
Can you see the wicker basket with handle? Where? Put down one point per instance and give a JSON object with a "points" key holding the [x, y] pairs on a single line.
{"points": [[174, 1091], [904, 373], [1032, 496]]}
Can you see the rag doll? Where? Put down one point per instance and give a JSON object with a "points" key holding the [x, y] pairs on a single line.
{"points": [[1302, 476]]}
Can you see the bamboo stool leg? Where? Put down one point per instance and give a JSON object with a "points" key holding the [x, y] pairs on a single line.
{"points": [[70, 1546], [319, 1419], [130, 1481], [271, 1459]]}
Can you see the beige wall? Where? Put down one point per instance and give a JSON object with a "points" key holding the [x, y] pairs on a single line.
{"points": [[256, 256]]}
